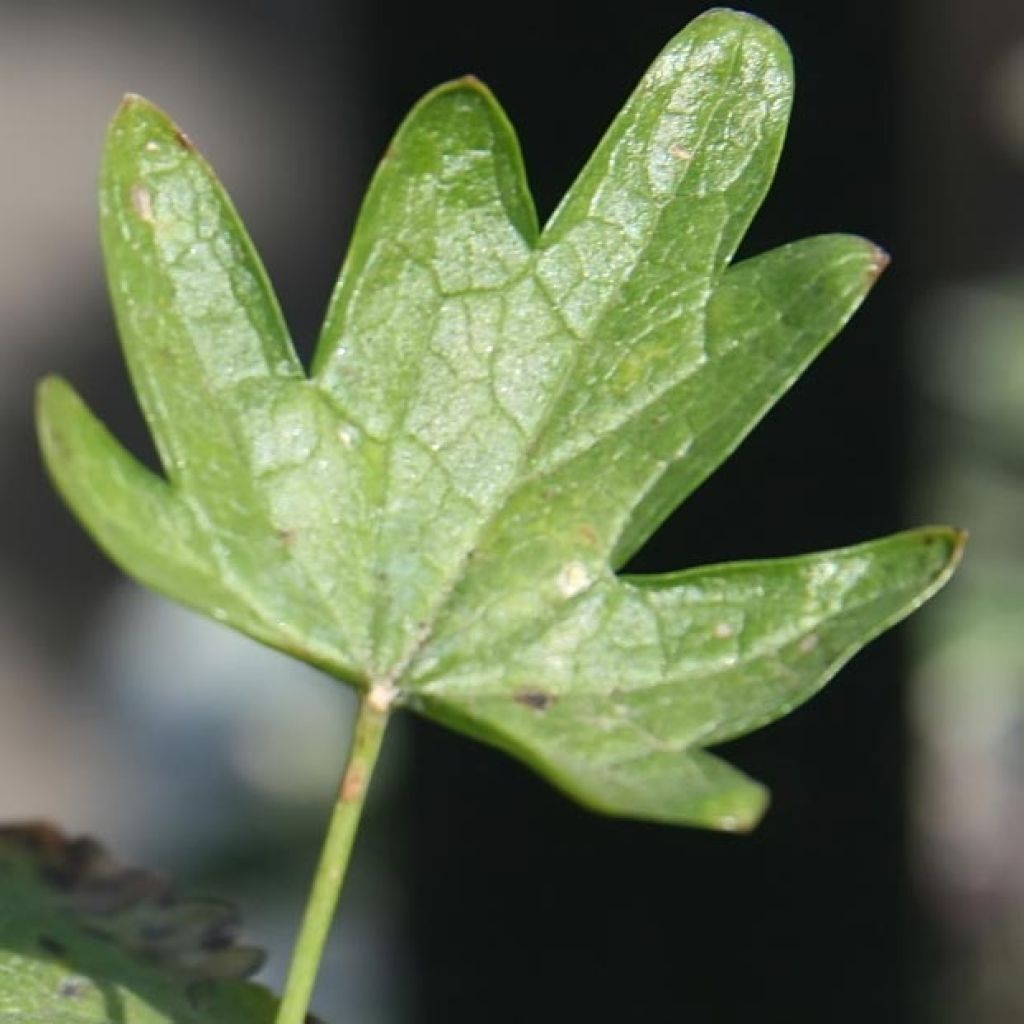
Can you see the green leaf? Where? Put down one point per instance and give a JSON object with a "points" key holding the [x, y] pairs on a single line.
{"points": [[496, 419], [85, 941]]}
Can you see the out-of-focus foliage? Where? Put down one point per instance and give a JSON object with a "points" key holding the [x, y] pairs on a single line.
{"points": [[969, 692], [83, 939]]}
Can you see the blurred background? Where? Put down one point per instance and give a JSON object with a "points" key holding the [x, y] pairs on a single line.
{"points": [[887, 883]]}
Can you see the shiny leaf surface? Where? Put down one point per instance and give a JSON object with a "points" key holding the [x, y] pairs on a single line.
{"points": [[496, 418]]}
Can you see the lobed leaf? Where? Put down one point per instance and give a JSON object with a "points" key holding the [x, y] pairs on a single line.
{"points": [[496, 419], [614, 696]]}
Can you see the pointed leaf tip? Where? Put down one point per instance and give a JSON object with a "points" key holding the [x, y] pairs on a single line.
{"points": [[955, 540], [136, 114], [46, 387], [56, 403], [133, 105]]}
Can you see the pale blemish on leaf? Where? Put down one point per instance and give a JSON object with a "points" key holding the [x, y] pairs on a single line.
{"points": [[382, 696], [572, 578], [142, 202]]}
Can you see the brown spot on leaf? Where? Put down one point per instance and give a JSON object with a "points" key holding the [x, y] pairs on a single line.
{"points": [[286, 537], [588, 535], [535, 700], [184, 141], [879, 261], [680, 153]]}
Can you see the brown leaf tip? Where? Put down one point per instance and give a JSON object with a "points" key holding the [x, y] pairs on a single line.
{"points": [[880, 259]]}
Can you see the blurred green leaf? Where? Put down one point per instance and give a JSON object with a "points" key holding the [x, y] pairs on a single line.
{"points": [[85, 941], [496, 419]]}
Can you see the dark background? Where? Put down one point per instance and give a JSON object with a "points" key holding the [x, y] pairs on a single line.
{"points": [[519, 906]]}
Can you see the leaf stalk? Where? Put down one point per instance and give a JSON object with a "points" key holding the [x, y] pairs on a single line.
{"points": [[371, 721]]}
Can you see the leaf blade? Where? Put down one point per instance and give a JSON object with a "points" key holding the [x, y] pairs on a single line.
{"points": [[238, 429], [124, 505], [496, 420], [768, 319], [644, 672], [659, 210], [433, 305], [190, 295], [604, 440]]}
